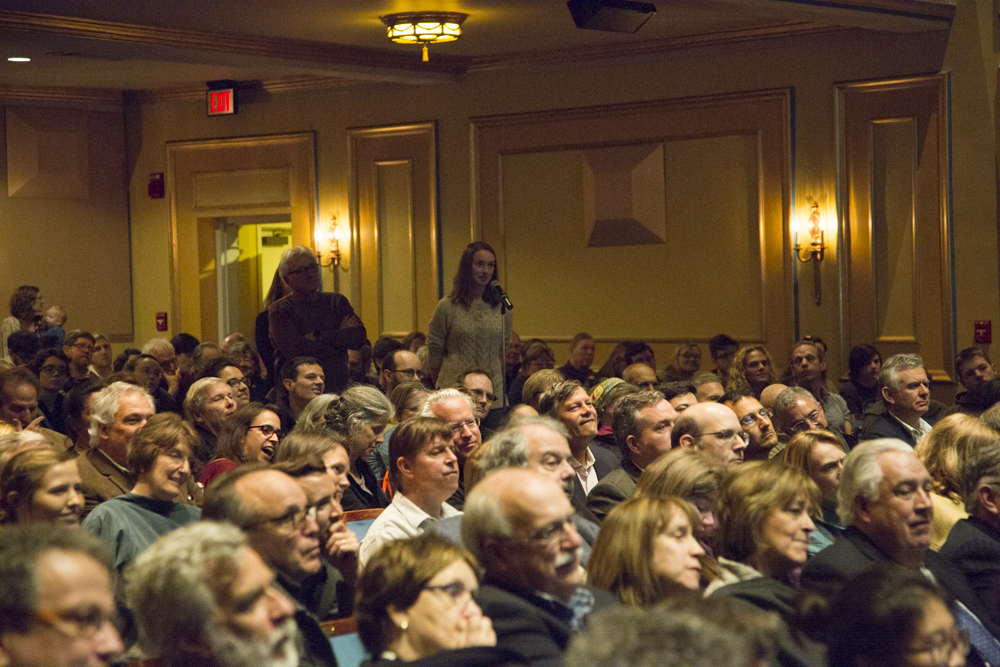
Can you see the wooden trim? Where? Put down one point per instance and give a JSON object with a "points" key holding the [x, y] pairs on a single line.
{"points": [[100, 98], [362, 515], [289, 84]]}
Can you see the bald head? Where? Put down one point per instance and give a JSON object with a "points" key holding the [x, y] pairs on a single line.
{"points": [[770, 393], [227, 342], [714, 429], [640, 375]]}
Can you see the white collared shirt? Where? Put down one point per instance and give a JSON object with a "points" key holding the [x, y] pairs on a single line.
{"points": [[399, 521], [585, 471], [923, 428]]}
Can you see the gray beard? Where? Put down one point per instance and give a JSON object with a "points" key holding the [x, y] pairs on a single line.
{"points": [[279, 650]]}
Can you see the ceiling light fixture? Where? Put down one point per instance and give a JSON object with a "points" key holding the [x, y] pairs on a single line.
{"points": [[424, 27], [18, 60]]}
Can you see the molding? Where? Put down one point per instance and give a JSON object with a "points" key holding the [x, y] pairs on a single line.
{"points": [[288, 84], [99, 98]]}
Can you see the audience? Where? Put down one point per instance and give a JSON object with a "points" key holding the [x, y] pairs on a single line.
{"points": [[861, 388], [751, 371], [250, 435], [41, 485], [313, 416], [708, 388], [808, 370], [22, 346], [163, 352], [208, 405], [904, 391], [302, 380], [399, 366], [26, 304], [456, 409], [641, 376], [52, 368], [686, 361], [538, 384], [79, 348], [537, 356], [723, 350], [581, 358], [327, 446], [77, 408], [359, 417], [228, 369], [820, 454], [204, 353], [680, 394], [147, 374], [713, 429], [406, 399], [100, 363], [250, 365], [689, 474], [757, 425]]}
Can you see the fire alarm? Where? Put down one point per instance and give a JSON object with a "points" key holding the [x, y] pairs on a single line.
{"points": [[983, 332], [161, 321]]}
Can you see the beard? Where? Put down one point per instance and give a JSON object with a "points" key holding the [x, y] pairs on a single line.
{"points": [[278, 650]]}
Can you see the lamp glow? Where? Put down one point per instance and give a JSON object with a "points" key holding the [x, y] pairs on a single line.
{"points": [[424, 28], [17, 59]]}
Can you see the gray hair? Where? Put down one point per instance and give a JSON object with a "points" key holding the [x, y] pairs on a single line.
{"points": [[704, 378], [981, 467], [156, 346], [627, 420], [891, 367], [105, 406], [786, 400], [482, 518], [194, 403], [170, 585], [289, 255], [510, 448], [862, 474], [309, 418], [358, 406], [441, 396]]}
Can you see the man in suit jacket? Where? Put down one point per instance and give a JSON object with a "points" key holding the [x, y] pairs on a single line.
{"points": [[642, 427], [518, 524], [973, 544], [905, 390], [888, 525]]}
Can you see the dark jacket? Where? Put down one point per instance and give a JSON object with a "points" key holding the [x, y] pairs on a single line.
{"points": [[475, 656], [973, 547], [604, 463], [356, 498], [615, 487]]}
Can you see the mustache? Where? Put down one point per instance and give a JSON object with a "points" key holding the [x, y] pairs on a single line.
{"points": [[567, 557]]}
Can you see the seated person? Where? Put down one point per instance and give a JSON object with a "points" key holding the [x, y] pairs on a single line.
{"points": [[52, 368], [148, 374], [158, 459], [680, 394], [423, 467], [228, 369], [209, 403], [860, 389], [41, 484], [905, 391], [820, 454], [359, 418], [688, 474], [250, 435], [249, 363], [406, 399], [329, 448]]}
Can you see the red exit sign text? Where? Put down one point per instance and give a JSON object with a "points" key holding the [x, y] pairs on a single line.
{"points": [[221, 102]]}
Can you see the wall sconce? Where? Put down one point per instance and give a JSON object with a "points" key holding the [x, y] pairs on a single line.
{"points": [[331, 239], [424, 28], [814, 250]]}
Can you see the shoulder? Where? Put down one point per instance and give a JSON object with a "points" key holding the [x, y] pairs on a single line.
{"points": [[604, 457]]}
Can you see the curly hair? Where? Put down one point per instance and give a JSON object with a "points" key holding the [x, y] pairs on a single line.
{"points": [[738, 381], [22, 302]]}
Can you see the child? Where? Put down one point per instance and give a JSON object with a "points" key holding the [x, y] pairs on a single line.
{"points": [[54, 334]]}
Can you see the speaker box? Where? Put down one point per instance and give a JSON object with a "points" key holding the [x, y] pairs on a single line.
{"points": [[610, 15]]}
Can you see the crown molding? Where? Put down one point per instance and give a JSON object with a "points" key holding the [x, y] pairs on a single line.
{"points": [[90, 98], [288, 84]]}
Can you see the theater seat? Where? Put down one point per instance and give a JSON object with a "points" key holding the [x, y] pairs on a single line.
{"points": [[347, 647], [360, 521]]}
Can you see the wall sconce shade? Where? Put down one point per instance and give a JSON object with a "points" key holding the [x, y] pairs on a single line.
{"points": [[814, 251], [330, 238], [424, 27]]}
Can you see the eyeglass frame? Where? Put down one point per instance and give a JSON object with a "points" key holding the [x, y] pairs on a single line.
{"points": [[740, 433], [751, 417], [274, 431]]}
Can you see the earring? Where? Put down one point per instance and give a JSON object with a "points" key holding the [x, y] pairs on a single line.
{"points": [[404, 625]]}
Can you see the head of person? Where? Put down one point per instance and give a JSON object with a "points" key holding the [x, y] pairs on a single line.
{"points": [[537, 357], [159, 456], [796, 410], [890, 616], [228, 368], [885, 493], [79, 347], [751, 371], [517, 524], [230, 340], [708, 388], [641, 376], [974, 368], [19, 390], [146, 371], [864, 364], [723, 349], [303, 379], [821, 455], [274, 512], [639, 352], [13, 443], [397, 367], [948, 446], [686, 473], [55, 316], [246, 357], [41, 485], [581, 350], [687, 358], [478, 383], [456, 409], [537, 443], [359, 362], [414, 340], [26, 302], [981, 484], [647, 549], [642, 427], [770, 394], [328, 447], [764, 517], [512, 355], [56, 600], [808, 363], [102, 352], [415, 598], [569, 403], [78, 403], [905, 386], [382, 347], [210, 403], [127, 355], [184, 345], [250, 435], [477, 268], [756, 422], [202, 592], [406, 399], [118, 412], [681, 394], [322, 493], [163, 351], [300, 271], [52, 368], [23, 346], [422, 460], [203, 354], [537, 384], [360, 416], [313, 416], [714, 429]]}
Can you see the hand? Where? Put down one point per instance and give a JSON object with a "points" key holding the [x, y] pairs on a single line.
{"points": [[479, 632], [35, 426], [173, 381], [341, 550]]}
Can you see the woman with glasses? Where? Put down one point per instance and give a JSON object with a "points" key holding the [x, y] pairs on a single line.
{"points": [[360, 417], [228, 368], [251, 435], [52, 368], [41, 485], [467, 329], [415, 604], [159, 460]]}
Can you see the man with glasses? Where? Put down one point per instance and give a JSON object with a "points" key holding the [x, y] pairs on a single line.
{"points": [[478, 383], [80, 349], [714, 429], [905, 392], [56, 603], [756, 422], [309, 322], [796, 410], [280, 524], [398, 367], [458, 411]]}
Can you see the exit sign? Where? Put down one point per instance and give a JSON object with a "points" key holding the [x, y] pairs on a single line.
{"points": [[221, 102]]}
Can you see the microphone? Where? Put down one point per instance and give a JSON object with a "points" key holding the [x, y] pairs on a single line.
{"points": [[504, 299]]}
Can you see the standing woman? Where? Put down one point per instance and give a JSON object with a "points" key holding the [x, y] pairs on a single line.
{"points": [[467, 329], [26, 306]]}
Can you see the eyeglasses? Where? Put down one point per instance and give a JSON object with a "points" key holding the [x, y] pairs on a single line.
{"points": [[553, 531], [456, 590], [236, 382], [729, 434], [54, 370], [944, 644], [480, 393], [267, 430], [294, 519], [82, 623], [412, 374], [305, 269], [751, 417], [803, 424], [470, 424]]}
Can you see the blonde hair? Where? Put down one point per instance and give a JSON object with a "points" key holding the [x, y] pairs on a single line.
{"points": [[800, 448], [622, 558], [22, 476], [947, 447], [683, 472], [747, 498], [538, 383]]}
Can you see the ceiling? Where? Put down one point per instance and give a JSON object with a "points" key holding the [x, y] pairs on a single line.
{"points": [[157, 46]]}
